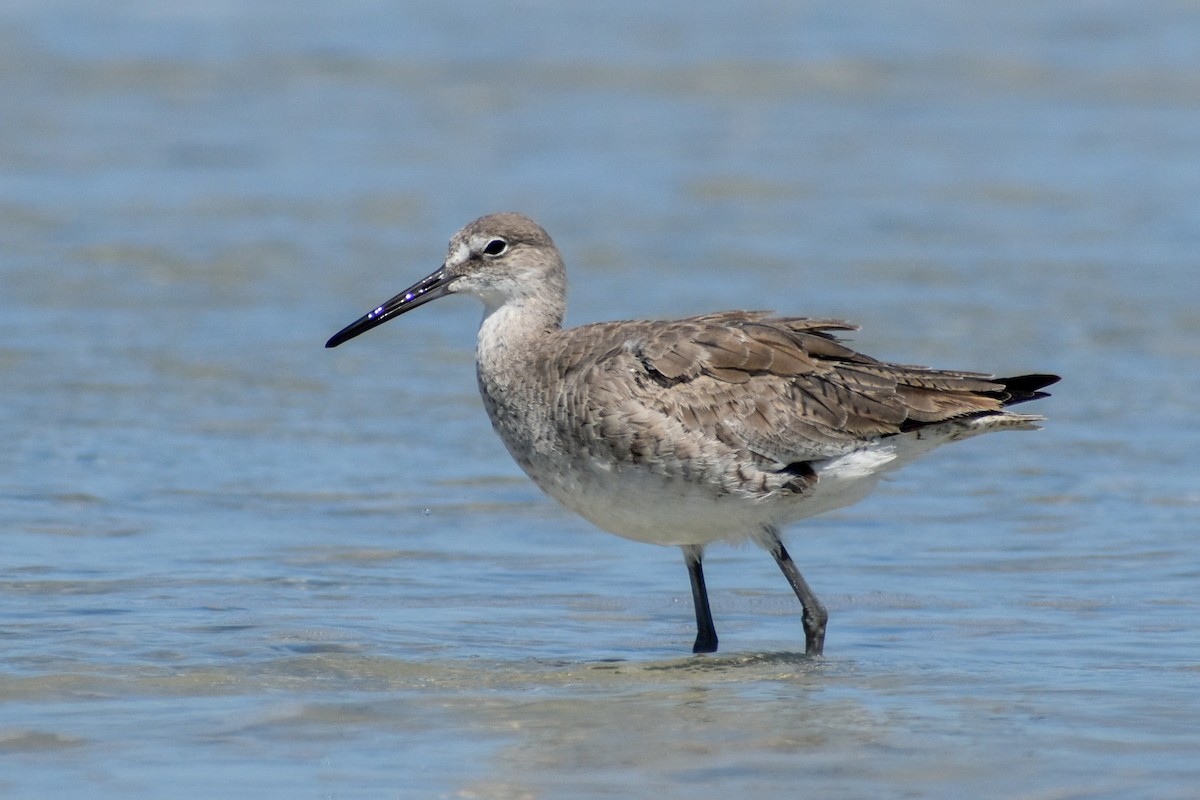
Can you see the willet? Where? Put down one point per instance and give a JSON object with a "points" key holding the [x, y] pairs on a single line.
{"points": [[684, 432]]}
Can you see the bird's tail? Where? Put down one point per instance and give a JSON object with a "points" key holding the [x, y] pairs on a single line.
{"points": [[1023, 388]]}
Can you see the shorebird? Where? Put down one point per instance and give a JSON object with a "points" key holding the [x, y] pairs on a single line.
{"points": [[724, 426]]}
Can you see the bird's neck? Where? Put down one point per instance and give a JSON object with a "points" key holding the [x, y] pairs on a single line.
{"points": [[513, 332]]}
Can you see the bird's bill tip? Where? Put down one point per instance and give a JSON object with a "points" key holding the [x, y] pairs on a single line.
{"points": [[431, 287]]}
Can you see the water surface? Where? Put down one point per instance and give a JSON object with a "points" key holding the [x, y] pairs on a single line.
{"points": [[233, 563]]}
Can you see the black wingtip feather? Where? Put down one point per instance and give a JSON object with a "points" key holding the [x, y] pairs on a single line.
{"points": [[1023, 388]]}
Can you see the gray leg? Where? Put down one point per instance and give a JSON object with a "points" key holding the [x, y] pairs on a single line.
{"points": [[814, 615], [706, 632]]}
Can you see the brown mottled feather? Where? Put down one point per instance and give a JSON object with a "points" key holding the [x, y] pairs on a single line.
{"points": [[782, 387]]}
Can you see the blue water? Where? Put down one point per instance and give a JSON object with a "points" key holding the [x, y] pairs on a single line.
{"points": [[233, 563]]}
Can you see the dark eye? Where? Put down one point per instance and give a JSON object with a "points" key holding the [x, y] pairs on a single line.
{"points": [[495, 247]]}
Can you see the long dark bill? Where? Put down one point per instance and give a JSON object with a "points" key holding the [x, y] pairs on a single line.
{"points": [[431, 287]]}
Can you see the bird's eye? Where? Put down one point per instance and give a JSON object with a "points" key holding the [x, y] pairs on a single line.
{"points": [[495, 247]]}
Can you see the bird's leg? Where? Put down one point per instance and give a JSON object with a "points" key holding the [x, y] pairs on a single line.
{"points": [[814, 615], [706, 633]]}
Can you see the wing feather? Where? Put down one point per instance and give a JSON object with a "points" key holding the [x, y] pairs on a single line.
{"points": [[784, 389]]}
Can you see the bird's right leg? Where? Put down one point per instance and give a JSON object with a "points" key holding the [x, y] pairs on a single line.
{"points": [[706, 632]]}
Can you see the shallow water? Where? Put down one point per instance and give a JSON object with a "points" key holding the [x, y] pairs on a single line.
{"points": [[232, 562]]}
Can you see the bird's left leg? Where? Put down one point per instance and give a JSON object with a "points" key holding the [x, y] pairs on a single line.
{"points": [[814, 615]]}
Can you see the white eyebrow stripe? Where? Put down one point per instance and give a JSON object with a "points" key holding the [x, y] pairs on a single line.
{"points": [[459, 254]]}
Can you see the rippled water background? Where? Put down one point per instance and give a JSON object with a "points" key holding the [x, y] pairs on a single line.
{"points": [[233, 563]]}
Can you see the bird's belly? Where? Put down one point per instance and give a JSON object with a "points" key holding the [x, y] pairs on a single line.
{"points": [[641, 506], [646, 507]]}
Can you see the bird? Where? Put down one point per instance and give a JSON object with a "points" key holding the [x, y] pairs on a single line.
{"points": [[726, 426]]}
